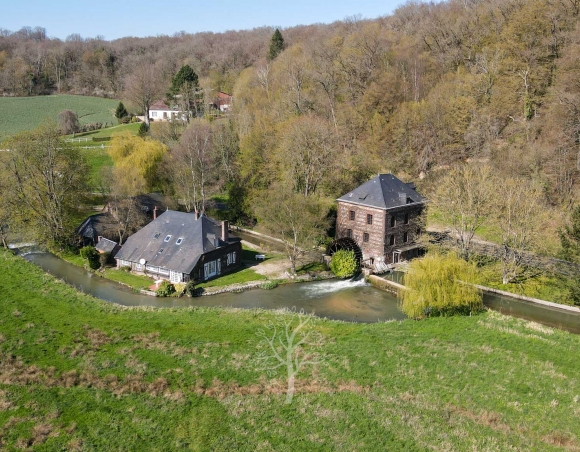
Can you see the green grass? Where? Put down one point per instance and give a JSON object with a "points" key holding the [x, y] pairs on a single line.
{"points": [[102, 135], [78, 373], [25, 113], [539, 285], [239, 277], [312, 267], [136, 282]]}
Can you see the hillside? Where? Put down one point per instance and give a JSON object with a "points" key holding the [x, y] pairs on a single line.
{"points": [[25, 113], [72, 367]]}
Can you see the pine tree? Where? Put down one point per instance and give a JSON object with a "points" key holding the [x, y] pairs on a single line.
{"points": [[121, 112], [183, 76], [276, 45]]}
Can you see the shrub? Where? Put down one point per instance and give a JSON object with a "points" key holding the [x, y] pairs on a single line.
{"points": [[179, 289], [104, 259], [125, 268], [190, 288], [91, 255], [343, 264], [166, 289], [268, 285], [143, 129], [440, 285]]}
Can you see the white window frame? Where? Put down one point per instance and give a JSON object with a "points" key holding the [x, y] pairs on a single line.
{"points": [[175, 277], [167, 238], [209, 269]]}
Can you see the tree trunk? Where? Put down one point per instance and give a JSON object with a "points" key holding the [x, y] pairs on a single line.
{"points": [[290, 390]]}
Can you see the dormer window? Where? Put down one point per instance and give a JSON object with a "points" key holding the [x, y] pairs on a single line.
{"points": [[157, 234], [167, 239], [179, 240]]}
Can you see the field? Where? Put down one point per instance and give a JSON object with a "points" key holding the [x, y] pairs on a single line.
{"points": [[24, 113], [77, 373]]}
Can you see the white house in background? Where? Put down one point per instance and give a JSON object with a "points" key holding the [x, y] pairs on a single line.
{"points": [[161, 112]]}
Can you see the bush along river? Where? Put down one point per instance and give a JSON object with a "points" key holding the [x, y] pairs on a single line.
{"points": [[354, 301]]}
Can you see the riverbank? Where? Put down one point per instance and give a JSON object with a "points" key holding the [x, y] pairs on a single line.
{"points": [[186, 378]]}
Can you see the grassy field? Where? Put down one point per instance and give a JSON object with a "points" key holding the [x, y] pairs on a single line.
{"points": [[24, 113], [77, 373]]}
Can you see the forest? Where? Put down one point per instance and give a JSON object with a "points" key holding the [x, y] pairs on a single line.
{"points": [[488, 84]]}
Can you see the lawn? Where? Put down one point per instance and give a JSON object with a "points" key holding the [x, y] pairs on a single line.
{"points": [[25, 113], [239, 277], [78, 373], [137, 282]]}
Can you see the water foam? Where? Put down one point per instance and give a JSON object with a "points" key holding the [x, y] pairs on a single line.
{"points": [[321, 288]]}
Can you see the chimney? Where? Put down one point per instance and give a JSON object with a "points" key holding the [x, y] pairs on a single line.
{"points": [[155, 213], [225, 232]]}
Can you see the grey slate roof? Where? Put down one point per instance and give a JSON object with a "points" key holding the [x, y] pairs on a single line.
{"points": [[199, 237], [105, 245], [384, 191]]}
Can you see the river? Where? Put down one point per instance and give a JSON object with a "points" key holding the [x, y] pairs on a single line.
{"points": [[354, 301]]}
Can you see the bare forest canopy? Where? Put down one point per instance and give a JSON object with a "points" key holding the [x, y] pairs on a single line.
{"points": [[432, 85]]}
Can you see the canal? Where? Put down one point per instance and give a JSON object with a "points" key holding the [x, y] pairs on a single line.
{"points": [[354, 301]]}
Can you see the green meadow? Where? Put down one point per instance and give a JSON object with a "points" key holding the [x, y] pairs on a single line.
{"points": [[77, 373], [25, 113]]}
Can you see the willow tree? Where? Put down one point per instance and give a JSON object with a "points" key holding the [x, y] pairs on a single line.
{"points": [[43, 180], [440, 285]]}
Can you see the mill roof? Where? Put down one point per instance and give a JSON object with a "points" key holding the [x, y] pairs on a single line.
{"points": [[384, 191], [159, 244]]}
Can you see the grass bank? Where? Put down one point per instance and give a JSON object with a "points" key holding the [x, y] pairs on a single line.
{"points": [[25, 113], [78, 373]]}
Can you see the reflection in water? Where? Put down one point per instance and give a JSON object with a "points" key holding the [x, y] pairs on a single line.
{"points": [[340, 300]]}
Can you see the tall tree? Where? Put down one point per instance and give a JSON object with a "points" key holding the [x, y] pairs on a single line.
{"points": [[45, 179], [184, 89], [570, 241], [298, 221], [68, 122], [144, 86], [464, 198], [276, 45]]}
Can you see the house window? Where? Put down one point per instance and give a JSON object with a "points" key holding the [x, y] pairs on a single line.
{"points": [[157, 234], [209, 269], [125, 263], [393, 221], [366, 237], [351, 214], [167, 239], [139, 267], [406, 218], [405, 237], [392, 239], [418, 231], [179, 240], [231, 258], [153, 114], [369, 219], [349, 233]]}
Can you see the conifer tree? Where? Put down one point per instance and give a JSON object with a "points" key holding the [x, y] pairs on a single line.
{"points": [[276, 45], [121, 111], [185, 75]]}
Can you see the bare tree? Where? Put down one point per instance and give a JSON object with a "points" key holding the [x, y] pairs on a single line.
{"points": [[290, 343], [68, 122], [464, 198], [520, 217], [144, 86], [298, 221]]}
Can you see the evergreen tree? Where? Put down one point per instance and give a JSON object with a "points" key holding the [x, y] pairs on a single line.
{"points": [[276, 45], [121, 112], [184, 76]]}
